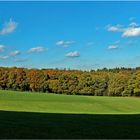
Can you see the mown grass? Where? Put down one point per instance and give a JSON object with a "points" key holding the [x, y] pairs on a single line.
{"points": [[53, 103], [36, 115]]}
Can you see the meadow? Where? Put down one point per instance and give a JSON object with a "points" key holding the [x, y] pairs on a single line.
{"points": [[38, 115]]}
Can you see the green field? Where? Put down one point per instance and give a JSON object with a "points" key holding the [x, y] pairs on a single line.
{"points": [[38, 115]]}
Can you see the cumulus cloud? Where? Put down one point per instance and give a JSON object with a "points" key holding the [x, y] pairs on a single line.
{"points": [[37, 49], [15, 53], [73, 54], [9, 27], [115, 28], [4, 57], [113, 47], [61, 42], [64, 43], [2, 47], [131, 32], [133, 24]]}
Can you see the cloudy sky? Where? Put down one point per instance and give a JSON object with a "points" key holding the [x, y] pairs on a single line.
{"points": [[76, 35]]}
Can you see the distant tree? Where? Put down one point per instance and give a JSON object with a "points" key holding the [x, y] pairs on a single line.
{"points": [[85, 85], [117, 83], [37, 80], [101, 82], [3, 78], [133, 86], [21, 82], [12, 79]]}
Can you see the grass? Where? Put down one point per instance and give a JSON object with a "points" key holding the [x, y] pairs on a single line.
{"points": [[36, 115]]}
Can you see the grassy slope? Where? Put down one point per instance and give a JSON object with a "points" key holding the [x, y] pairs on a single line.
{"points": [[52, 103], [59, 116]]}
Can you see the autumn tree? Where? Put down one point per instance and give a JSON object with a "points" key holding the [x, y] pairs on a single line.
{"points": [[37, 80], [3, 78]]}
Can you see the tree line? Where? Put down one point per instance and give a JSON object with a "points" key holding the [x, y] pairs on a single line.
{"points": [[102, 82]]}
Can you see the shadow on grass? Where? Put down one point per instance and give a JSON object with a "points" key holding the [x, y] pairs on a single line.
{"points": [[52, 125]]}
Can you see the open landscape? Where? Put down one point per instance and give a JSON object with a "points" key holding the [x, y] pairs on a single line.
{"points": [[69, 69], [35, 115]]}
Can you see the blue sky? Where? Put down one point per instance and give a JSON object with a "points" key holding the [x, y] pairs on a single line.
{"points": [[75, 35]]}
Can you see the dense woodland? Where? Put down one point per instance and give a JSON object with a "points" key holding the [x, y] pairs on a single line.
{"points": [[104, 82]]}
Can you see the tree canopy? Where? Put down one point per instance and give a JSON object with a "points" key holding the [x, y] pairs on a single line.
{"points": [[101, 82]]}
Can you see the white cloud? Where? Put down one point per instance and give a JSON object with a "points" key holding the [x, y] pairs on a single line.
{"points": [[64, 43], [131, 32], [115, 28], [113, 47], [15, 53], [2, 47], [73, 54], [9, 27], [61, 42], [4, 57], [133, 24], [37, 49]]}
